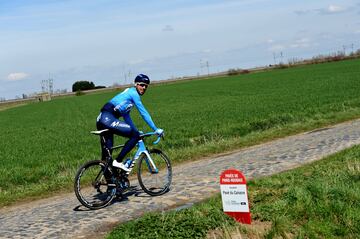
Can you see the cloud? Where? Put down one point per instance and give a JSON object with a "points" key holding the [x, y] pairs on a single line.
{"points": [[168, 28], [277, 47], [135, 61], [303, 12], [331, 9], [17, 76], [206, 51], [301, 43]]}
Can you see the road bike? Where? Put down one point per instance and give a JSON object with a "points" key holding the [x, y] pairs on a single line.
{"points": [[97, 182]]}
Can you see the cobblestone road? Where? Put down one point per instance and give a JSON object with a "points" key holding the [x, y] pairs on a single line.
{"points": [[63, 217]]}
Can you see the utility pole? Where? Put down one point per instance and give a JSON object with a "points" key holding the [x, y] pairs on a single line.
{"points": [[47, 86], [281, 55], [274, 58], [43, 86], [348, 46], [51, 85], [204, 64], [207, 65], [124, 74]]}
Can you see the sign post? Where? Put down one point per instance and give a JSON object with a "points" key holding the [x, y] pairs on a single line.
{"points": [[234, 195]]}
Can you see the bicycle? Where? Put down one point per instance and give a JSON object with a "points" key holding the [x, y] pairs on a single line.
{"points": [[97, 182]]}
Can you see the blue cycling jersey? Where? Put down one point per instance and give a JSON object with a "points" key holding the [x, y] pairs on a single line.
{"points": [[125, 101]]}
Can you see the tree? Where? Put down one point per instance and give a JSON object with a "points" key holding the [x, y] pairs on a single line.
{"points": [[100, 87], [83, 85]]}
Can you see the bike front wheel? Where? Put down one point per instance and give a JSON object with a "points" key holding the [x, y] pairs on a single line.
{"points": [[93, 186], [154, 179]]}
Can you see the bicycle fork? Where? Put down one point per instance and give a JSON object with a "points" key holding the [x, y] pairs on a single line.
{"points": [[149, 162]]}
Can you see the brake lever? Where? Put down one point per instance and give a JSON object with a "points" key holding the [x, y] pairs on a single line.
{"points": [[157, 141]]}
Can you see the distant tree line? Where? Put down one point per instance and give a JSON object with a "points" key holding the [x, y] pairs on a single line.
{"points": [[85, 85]]}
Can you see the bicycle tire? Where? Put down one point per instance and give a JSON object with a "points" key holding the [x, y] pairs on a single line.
{"points": [[153, 183], [92, 185]]}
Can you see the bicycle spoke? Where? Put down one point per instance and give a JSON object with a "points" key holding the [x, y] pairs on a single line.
{"points": [[155, 181], [91, 186]]}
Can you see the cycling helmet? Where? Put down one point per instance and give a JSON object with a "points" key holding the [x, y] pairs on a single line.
{"points": [[141, 78]]}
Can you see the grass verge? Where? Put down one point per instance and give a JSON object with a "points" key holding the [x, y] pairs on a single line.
{"points": [[318, 200]]}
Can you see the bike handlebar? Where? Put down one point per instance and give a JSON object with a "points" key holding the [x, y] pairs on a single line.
{"points": [[151, 134]]}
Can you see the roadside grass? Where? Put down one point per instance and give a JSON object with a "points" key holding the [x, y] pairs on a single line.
{"points": [[318, 200], [192, 222], [42, 145]]}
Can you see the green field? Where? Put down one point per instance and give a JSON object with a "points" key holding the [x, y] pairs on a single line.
{"points": [[319, 200], [42, 144]]}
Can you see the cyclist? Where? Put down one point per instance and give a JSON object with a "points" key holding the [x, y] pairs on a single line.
{"points": [[120, 106]]}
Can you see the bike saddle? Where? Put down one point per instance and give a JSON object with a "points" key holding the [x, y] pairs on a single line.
{"points": [[99, 132]]}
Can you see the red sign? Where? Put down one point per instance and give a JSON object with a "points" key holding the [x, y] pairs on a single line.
{"points": [[234, 195]]}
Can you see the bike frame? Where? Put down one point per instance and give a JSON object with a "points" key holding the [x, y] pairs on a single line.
{"points": [[142, 149]]}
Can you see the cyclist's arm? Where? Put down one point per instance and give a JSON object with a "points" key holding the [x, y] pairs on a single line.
{"points": [[129, 121], [143, 112]]}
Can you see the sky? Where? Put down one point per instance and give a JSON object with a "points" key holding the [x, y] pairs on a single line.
{"points": [[110, 41]]}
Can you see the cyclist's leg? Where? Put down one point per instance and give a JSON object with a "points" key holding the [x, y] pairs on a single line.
{"points": [[129, 145], [108, 121]]}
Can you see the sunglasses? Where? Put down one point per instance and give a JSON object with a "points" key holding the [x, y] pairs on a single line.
{"points": [[143, 85]]}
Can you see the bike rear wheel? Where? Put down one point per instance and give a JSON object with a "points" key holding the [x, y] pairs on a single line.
{"points": [[155, 182], [93, 186]]}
